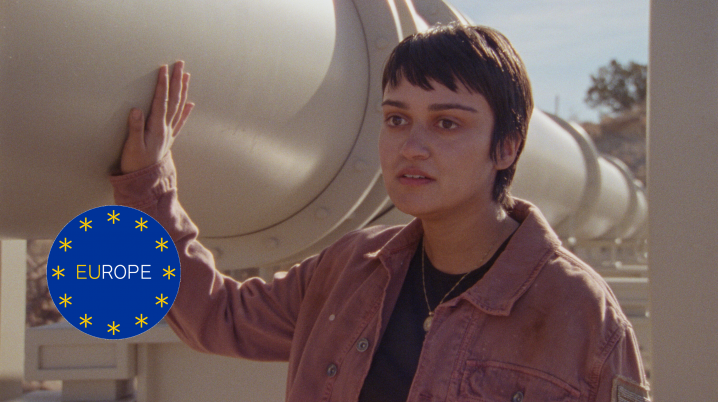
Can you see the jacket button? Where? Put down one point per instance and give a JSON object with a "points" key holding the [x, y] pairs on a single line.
{"points": [[518, 397], [332, 370], [363, 344]]}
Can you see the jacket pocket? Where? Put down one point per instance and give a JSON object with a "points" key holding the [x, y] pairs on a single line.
{"points": [[491, 381]]}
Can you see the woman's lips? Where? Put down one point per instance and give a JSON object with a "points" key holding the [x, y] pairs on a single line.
{"points": [[414, 177]]}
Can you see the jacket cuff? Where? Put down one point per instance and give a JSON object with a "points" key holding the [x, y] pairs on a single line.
{"points": [[144, 187]]}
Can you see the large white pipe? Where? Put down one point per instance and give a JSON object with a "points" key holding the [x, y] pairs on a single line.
{"points": [[279, 157], [264, 85]]}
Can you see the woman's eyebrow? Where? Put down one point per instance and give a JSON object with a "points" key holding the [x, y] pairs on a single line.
{"points": [[434, 107], [446, 106], [394, 103]]}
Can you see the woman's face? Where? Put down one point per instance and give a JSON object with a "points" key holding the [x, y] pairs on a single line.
{"points": [[434, 148]]}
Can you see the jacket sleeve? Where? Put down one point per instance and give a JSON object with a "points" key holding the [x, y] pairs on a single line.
{"points": [[212, 312], [622, 377]]}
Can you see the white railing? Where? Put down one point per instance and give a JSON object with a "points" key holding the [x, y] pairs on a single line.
{"points": [[152, 367]]}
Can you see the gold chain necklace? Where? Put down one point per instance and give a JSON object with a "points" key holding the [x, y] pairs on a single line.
{"points": [[430, 318]]}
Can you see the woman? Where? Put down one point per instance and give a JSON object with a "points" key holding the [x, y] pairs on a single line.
{"points": [[473, 300]]}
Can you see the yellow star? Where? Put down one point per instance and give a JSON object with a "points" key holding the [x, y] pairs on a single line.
{"points": [[85, 225], [58, 271], [65, 300], [141, 320], [162, 299], [141, 224], [86, 320], [113, 218], [162, 243], [169, 272], [114, 327], [65, 244]]}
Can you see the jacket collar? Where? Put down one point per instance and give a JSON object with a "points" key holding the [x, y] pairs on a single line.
{"points": [[397, 252], [533, 243]]}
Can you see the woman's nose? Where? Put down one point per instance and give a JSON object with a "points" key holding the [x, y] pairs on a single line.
{"points": [[415, 145]]}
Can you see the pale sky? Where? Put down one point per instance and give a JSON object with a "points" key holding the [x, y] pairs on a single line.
{"points": [[563, 42]]}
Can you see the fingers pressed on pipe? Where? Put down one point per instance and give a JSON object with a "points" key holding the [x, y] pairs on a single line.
{"points": [[175, 92], [183, 100], [158, 110], [135, 125]]}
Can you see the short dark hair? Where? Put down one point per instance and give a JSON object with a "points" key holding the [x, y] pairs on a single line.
{"points": [[484, 61]]}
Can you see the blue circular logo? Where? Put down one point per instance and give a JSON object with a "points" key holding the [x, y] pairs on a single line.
{"points": [[113, 272]]}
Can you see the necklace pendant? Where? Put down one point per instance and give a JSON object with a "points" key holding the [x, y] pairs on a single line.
{"points": [[427, 322]]}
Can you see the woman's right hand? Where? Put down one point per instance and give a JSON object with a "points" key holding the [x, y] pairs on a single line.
{"points": [[149, 140]]}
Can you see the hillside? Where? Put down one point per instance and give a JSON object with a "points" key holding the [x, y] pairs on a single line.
{"points": [[624, 137]]}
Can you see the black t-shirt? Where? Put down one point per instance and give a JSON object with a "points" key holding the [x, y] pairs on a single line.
{"points": [[397, 357]]}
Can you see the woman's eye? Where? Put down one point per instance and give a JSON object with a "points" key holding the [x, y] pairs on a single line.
{"points": [[395, 120], [447, 124]]}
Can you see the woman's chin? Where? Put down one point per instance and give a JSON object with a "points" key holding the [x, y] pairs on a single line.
{"points": [[415, 210]]}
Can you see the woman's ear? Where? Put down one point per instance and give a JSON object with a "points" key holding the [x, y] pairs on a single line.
{"points": [[507, 153]]}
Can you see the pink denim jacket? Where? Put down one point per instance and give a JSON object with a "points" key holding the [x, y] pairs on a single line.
{"points": [[540, 326]]}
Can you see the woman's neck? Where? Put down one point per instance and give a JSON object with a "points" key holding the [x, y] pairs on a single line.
{"points": [[460, 245]]}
